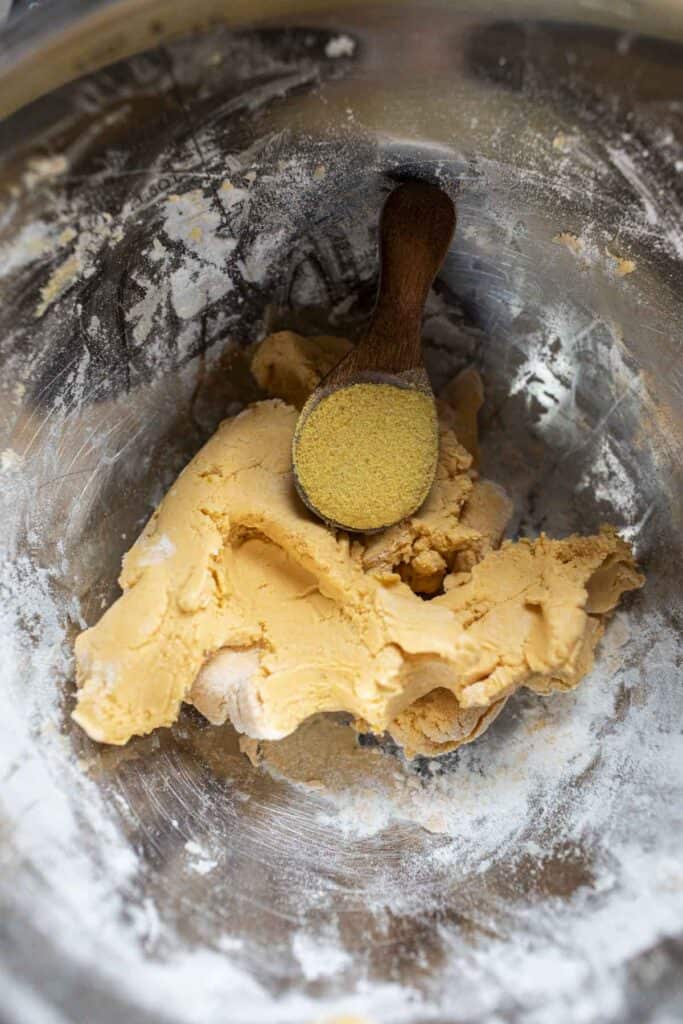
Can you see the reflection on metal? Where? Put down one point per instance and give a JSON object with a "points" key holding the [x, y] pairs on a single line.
{"points": [[155, 219]]}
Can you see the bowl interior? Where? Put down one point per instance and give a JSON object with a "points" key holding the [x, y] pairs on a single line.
{"points": [[159, 216]]}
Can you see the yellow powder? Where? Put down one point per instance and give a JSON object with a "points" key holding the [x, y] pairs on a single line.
{"points": [[365, 455]]}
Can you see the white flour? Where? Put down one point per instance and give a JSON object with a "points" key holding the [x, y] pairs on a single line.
{"points": [[518, 879], [485, 808]]}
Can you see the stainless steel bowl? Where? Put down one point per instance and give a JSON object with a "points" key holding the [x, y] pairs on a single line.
{"points": [[534, 876]]}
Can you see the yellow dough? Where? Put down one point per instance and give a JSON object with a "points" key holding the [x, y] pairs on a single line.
{"points": [[237, 600]]}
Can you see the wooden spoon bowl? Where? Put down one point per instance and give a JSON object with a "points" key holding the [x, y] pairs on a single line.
{"points": [[366, 443]]}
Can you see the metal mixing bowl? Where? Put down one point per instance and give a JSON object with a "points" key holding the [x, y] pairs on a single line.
{"points": [[534, 876]]}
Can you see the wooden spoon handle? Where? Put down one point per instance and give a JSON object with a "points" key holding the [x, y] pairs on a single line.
{"points": [[416, 228]]}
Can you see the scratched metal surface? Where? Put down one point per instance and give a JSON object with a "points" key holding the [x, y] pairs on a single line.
{"points": [[110, 384]]}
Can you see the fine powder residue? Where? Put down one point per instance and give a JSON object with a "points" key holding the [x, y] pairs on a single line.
{"points": [[589, 778], [365, 455]]}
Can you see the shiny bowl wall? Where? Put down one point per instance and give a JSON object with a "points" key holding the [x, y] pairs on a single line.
{"points": [[158, 214]]}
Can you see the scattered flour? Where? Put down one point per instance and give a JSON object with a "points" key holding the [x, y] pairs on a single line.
{"points": [[534, 867], [162, 548], [200, 862], [657, 215], [33, 241], [340, 46], [318, 958], [9, 459], [44, 168]]}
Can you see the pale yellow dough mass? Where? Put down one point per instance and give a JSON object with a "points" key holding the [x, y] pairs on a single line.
{"points": [[239, 601]]}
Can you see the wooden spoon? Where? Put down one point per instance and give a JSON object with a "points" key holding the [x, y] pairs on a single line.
{"points": [[366, 443]]}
